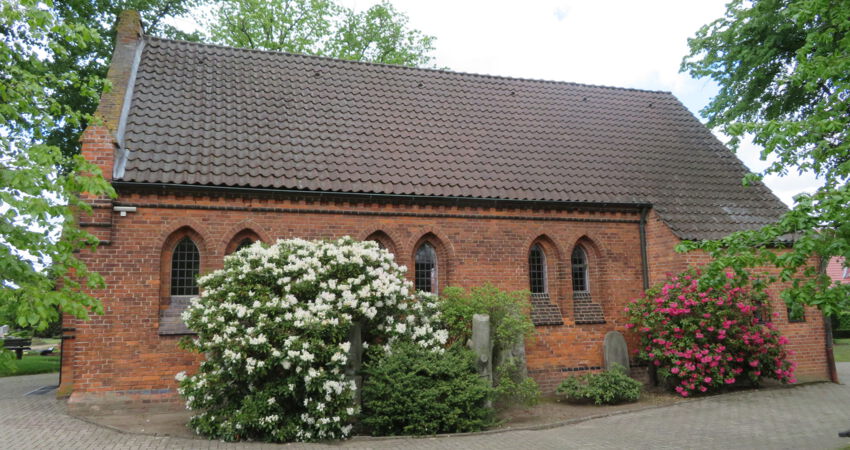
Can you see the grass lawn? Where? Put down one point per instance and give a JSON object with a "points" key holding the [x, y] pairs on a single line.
{"points": [[842, 350], [46, 341], [31, 364]]}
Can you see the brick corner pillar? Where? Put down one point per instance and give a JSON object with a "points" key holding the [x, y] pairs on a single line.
{"points": [[101, 146]]}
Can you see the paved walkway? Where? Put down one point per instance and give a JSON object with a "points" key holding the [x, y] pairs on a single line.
{"points": [[802, 417]]}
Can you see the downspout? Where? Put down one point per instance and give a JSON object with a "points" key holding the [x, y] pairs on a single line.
{"points": [[644, 266], [643, 258], [61, 345]]}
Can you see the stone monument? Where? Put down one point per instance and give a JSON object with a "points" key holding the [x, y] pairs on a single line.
{"points": [[615, 350]]}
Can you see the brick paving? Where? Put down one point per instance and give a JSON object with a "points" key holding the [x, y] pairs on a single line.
{"points": [[802, 417]]}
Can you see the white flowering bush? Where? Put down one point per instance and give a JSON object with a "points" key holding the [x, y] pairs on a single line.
{"points": [[273, 325]]}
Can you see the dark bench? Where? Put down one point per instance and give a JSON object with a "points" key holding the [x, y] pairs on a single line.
{"points": [[18, 345]]}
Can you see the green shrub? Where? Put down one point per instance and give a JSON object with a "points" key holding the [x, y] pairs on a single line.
{"points": [[704, 339], [512, 387], [844, 322], [411, 390], [509, 313], [510, 323], [605, 388]]}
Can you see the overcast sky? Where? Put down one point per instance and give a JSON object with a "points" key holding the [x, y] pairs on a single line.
{"points": [[637, 44]]}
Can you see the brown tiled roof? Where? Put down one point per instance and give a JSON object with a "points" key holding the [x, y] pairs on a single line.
{"points": [[210, 115]]}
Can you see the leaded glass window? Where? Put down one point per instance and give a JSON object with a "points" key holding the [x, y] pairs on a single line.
{"points": [[579, 263], [537, 270], [185, 265], [426, 268]]}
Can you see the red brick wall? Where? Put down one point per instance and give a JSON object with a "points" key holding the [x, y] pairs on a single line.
{"points": [[837, 271], [122, 350], [120, 354], [99, 148]]}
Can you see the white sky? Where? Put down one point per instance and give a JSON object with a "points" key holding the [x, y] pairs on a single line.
{"points": [[637, 44]]}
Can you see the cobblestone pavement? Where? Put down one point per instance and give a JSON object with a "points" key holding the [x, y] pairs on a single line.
{"points": [[803, 417]]}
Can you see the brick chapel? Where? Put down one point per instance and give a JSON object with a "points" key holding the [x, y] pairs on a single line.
{"points": [[577, 193]]}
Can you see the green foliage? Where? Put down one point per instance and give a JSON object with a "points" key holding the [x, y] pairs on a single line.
{"points": [[604, 388], [783, 68], [844, 322], [31, 365], [413, 391], [321, 27], [91, 61], [38, 237], [510, 323], [513, 387], [509, 313], [52, 330]]}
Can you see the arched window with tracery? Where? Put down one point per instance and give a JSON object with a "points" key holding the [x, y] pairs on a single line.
{"points": [[185, 266], [425, 270], [537, 270]]}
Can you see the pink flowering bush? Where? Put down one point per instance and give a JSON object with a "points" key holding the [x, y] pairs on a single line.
{"points": [[703, 340]]}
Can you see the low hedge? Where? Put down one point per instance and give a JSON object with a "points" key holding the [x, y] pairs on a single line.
{"points": [[605, 388], [415, 391]]}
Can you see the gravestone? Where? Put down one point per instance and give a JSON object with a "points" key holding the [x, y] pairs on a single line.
{"points": [[355, 358], [3, 331], [482, 346], [514, 354], [615, 350]]}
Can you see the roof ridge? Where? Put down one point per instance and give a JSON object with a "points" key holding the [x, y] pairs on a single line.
{"points": [[399, 67]]}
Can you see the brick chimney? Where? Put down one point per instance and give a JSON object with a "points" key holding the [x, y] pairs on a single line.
{"points": [[101, 145], [101, 138]]}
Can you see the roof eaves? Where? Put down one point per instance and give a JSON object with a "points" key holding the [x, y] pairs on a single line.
{"points": [[139, 184]]}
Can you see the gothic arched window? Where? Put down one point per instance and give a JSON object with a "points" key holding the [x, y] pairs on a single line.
{"points": [[185, 266], [579, 264], [425, 269], [537, 273]]}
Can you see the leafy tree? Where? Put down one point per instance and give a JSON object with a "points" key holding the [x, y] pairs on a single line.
{"points": [[37, 201], [92, 60], [380, 34], [783, 68], [321, 27]]}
